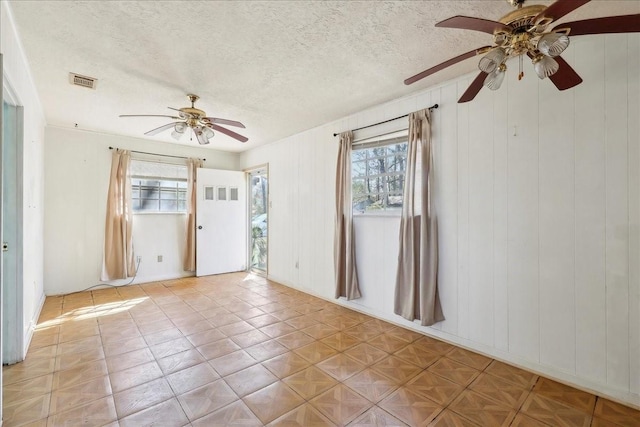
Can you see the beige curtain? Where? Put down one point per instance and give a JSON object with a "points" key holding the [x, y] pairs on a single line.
{"points": [[416, 296], [189, 261], [344, 245], [118, 242]]}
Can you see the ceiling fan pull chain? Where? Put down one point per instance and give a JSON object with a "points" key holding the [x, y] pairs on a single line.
{"points": [[521, 73]]}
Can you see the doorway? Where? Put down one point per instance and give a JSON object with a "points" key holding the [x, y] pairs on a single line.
{"points": [[259, 219], [11, 225]]}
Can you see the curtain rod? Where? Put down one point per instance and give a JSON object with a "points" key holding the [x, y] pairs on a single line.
{"points": [[155, 154], [433, 107]]}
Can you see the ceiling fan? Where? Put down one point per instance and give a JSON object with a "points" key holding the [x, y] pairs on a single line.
{"points": [[196, 120], [525, 31]]}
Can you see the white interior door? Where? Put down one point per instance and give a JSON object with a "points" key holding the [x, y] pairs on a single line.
{"points": [[221, 222]]}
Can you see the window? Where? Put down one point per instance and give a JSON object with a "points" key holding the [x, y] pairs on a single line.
{"points": [[158, 187], [377, 175]]}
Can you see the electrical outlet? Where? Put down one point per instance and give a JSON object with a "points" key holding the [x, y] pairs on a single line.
{"points": [[159, 258], [138, 259]]}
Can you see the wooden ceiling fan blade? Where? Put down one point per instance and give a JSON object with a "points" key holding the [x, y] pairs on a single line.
{"points": [[226, 122], [149, 115], [445, 64], [477, 24], [228, 132], [606, 25], [160, 129], [566, 77], [474, 88], [559, 9]]}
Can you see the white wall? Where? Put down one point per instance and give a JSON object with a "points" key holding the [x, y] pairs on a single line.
{"points": [[538, 198], [18, 75], [77, 165]]}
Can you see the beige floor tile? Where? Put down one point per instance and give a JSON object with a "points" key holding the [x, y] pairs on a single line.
{"points": [[522, 420], [295, 340], [320, 330], [262, 320], [341, 341], [266, 350], [310, 382], [512, 374], [137, 398], [302, 322], [26, 390], [388, 343], [249, 380], [232, 362], [469, 358], [303, 416], [28, 369], [129, 360], [80, 345], [134, 376], [286, 364], [578, 399], [68, 398], [371, 384], [25, 411], [205, 337], [124, 346], [375, 417], [341, 404], [250, 338], [451, 419], [79, 374], [614, 412], [236, 328], [169, 348], [163, 336], [97, 413], [553, 413], [218, 348], [481, 410], [454, 371], [272, 401], [417, 355], [276, 330], [410, 407], [206, 399], [341, 366], [193, 377], [433, 345], [71, 360], [167, 413], [397, 369], [236, 414], [180, 361], [500, 391], [315, 351]]}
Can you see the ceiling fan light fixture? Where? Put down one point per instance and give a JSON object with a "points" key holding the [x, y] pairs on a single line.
{"points": [[492, 60], [178, 130], [208, 133], [545, 66], [494, 80], [553, 44]]}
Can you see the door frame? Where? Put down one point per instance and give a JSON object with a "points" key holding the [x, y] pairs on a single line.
{"points": [[248, 172], [12, 314]]}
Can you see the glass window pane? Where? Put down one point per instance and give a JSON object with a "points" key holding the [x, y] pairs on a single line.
{"points": [[168, 205]]}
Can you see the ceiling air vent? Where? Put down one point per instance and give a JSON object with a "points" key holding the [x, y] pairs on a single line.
{"points": [[84, 81]]}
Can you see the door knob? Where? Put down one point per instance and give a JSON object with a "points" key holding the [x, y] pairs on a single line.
{"points": [[199, 227]]}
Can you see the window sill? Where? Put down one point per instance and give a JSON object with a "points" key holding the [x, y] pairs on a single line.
{"points": [[394, 214], [159, 213]]}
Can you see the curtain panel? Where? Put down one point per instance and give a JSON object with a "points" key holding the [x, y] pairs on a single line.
{"points": [[416, 293], [344, 247], [118, 239], [189, 261]]}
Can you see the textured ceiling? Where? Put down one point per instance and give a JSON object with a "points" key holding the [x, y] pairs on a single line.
{"points": [[280, 67]]}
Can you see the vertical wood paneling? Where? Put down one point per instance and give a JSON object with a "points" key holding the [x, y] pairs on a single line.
{"points": [[481, 219], [617, 211], [500, 208], [557, 227], [633, 91], [590, 212], [523, 215], [447, 175], [463, 213]]}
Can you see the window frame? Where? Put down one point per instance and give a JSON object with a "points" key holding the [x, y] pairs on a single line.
{"points": [[379, 196]]}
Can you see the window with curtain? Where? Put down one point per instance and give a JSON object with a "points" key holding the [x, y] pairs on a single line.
{"points": [[158, 187], [377, 175]]}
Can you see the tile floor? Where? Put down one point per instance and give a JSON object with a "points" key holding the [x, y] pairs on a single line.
{"points": [[236, 350]]}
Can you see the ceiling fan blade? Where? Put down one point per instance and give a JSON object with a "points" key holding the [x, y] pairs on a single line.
{"points": [[149, 115], [609, 24], [183, 115], [445, 64], [474, 88], [566, 77], [228, 132], [477, 24], [160, 129], [223, 121], [559, 9]]}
